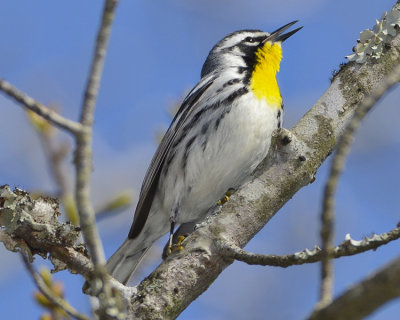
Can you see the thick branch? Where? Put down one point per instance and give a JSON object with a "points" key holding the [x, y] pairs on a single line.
{"points": [[348, 247], [31, 104], [365, 297]]}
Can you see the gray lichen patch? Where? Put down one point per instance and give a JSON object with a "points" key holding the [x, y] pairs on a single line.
{"points": [[357, 81], [354, 84], [34, 222], [324, 140], [373, 42]]}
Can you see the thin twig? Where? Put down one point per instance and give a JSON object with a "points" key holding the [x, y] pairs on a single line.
{"points": [[365, 297], [33, 105], [56, 157], [83, 159], [348, 247], [45, 290], [84, 141], [338, 161]]}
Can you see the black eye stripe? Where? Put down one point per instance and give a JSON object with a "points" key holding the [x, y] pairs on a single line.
{"points": [[254, 39]]}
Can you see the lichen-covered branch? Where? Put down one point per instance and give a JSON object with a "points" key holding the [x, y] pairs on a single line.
{"points": [[33, 223], [35, 106], [365, 297], [348, 247]]}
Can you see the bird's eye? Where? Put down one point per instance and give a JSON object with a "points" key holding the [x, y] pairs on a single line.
{"points": [[249, 39]]}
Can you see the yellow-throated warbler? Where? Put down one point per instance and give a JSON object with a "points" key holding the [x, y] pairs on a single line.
{"points": [[220, 134]]}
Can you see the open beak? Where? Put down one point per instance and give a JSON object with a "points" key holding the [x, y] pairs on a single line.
{"points": [[278, 34]]}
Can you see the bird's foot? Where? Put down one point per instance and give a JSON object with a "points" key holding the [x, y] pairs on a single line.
{"points": [[225, 198], [176, 246]]}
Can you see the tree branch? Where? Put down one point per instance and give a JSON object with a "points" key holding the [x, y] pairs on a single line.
{"points": [[84, 139], [31, 104], [35, 223], [44, 289], [348, 247], [365, 297], [83, 164], [337, 166]]}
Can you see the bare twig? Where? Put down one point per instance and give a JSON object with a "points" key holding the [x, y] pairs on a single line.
{"points": [[84, 141], [33, 105], [83, 161], [55, 156], [338, 161], [365, 297], [348, 247], [115, 205], [45, 290]]}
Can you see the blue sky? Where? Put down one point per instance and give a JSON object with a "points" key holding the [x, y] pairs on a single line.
{"points": [[156, 52]]}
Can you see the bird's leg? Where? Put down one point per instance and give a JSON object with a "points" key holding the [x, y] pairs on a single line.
{"points": [[178, 245], [173, 246], [225, 198], [171, 235], [179, 236]]}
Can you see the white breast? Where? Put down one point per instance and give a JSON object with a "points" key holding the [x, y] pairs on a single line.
{"points": [[231, 154]]}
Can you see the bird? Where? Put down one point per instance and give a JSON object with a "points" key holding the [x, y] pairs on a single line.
{"points": [[217, 138]]}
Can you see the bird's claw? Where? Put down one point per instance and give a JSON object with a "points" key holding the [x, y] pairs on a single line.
{"points": [[225, 198], [176, 246]]}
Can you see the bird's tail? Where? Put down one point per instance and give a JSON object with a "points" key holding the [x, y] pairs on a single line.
{"points": [[122, 264]]}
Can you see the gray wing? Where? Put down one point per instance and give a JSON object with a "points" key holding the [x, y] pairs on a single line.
{"points": [[151, 179]]}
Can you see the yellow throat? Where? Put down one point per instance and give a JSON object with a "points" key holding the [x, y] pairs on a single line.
{"points": [[263, 79]]}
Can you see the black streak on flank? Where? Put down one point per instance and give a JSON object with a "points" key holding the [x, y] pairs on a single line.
{"points": [[234, 95], [168, 162], [188, 126], [205, 139], [186, 153], [230, 82], [217, 123], [204, 144], [278, 116], [227, 102], [204, 128], [196, 117]]}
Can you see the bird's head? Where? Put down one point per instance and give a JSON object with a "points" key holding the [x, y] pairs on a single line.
{"points": [[254, 56], [245, 48]]}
